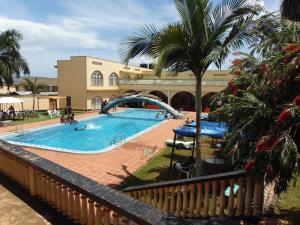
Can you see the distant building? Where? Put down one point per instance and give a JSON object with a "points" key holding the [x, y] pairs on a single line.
{"points": [[90, 80], [46, 99], [49, 82]]}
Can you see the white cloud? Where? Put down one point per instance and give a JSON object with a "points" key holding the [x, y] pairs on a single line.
{"points": [[41, 36], [121, 15], [272, 5]]}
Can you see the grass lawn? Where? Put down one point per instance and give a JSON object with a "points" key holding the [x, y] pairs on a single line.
{"points": [[288, 204], [41, 116], [157, 168]]}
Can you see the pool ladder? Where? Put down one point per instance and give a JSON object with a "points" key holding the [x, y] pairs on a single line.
{"points": [[118, 139], [20, 130]]}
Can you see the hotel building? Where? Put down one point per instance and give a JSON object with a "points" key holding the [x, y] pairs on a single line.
{"points": [[90, 80]]}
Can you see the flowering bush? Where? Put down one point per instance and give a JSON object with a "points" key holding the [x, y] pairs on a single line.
{"points": [[262, 106]]}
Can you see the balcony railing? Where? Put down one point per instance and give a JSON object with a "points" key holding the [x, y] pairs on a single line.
{"points": [[77, 197], [173, 82], [205, 196]]}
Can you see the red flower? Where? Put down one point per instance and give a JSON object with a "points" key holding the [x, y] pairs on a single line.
{"points": [[286, 113], [261, 145], [296, 101], [286, 59], [267, 143], [263, 69], [234, 90], [249, 165], [273, 141], [290, 47], [237, 73], [236, 62], [296, 49]]}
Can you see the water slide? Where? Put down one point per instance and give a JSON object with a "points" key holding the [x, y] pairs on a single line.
{"points": [[141, 98]]}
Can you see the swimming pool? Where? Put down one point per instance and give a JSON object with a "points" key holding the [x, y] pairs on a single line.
{"points": [[98, 134]]}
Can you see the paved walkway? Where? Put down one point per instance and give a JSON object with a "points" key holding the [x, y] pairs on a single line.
{"points": [[14, 211], [109, 168]]}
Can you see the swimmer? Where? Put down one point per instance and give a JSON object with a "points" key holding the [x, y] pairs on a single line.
{"points": [[77, 129]]}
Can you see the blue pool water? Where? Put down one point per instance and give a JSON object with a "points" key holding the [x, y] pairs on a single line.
{"points": [[102, 133]]}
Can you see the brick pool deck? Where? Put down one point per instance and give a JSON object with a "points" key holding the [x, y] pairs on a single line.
{"points": [[109, 168]]}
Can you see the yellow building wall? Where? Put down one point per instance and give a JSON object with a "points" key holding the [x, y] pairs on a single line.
{"points": [[72, 80], [4, 90]]}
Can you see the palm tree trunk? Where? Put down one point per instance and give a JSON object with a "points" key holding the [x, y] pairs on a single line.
{"points": [[198, 106], [33, 102], [290, 10]]}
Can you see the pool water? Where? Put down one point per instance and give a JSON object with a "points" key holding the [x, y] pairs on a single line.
{"points": [[98, 134]]}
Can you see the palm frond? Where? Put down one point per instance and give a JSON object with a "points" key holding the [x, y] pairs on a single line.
{"points": [[139, 45]]}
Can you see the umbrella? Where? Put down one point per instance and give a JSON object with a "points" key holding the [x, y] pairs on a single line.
{"points": [[10, 100]]}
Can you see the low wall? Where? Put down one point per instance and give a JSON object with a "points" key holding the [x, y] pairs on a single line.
{"points": [[77, 197]]}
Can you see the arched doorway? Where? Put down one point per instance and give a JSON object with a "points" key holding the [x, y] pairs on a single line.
{"points": [[206, 100], [161, 95], [183, 100], [96, 103]]}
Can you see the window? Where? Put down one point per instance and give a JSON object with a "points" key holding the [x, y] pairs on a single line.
{"points": [[113, 79], [97, 79], [96, 102]]}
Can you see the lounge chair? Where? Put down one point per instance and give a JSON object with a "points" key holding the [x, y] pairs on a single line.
{"points": [[56, 113], [5, 123], [180, 144], [185, 168], [50, 113], [149, 152]]}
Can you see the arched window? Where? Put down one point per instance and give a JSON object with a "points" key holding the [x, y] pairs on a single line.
{"points": [[96, 102], [97, 79], [113, 79]]}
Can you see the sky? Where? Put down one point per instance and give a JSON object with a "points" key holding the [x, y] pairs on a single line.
{"points": [[57, 29]]}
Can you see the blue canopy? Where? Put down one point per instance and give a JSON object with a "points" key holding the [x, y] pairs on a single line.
{"points": [[212, 129], [209, 124]]}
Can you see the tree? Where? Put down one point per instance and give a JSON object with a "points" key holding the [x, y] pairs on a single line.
{"points": [[11, 60], [262, 105], [290, 9], [204, 35], [32, 86]]}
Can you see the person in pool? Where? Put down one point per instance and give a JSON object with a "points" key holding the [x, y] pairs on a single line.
{"points": [[77, 129], [72, 119]]}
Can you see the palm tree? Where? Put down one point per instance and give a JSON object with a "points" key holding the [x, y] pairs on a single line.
{"points": [[32, 86], [11, 60], [204, 35], [290, 9]]}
